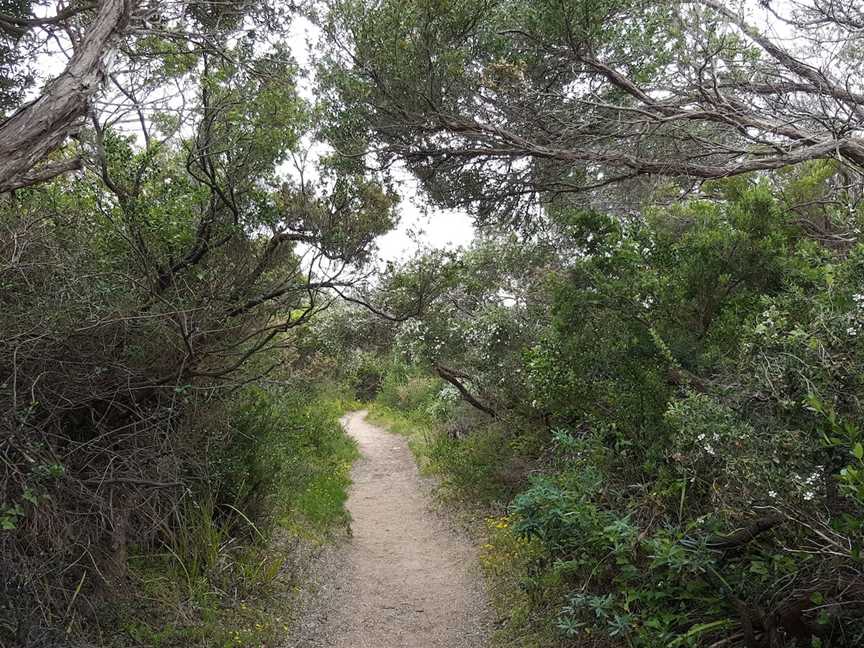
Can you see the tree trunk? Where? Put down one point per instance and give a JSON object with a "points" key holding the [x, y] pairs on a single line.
{"points": [[37, 128]]}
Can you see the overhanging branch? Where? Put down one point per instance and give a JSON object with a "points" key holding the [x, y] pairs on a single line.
{"points": [[453, 377]]}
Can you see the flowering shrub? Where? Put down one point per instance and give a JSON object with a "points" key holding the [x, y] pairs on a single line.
{"points": [[686, 392]]}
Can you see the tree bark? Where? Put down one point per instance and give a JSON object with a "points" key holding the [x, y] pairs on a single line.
{"points": [[453, 377], [39, 127], [745, 534]]}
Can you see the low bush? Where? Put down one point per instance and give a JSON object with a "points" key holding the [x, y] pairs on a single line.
{"points": [[279, 479]]}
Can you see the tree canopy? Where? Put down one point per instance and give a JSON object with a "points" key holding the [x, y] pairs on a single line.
{"points": [[501, 105]]}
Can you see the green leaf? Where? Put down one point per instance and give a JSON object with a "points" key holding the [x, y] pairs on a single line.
{"points": [[758, 567], [858, 451]]}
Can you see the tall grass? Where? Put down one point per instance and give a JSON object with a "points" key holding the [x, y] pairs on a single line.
{"points": [[279, 478]]}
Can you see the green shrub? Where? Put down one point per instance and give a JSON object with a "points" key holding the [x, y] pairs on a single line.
{"points": [[282, 472], [367, 377], [411, 392], [685, 390], [473, 467]]}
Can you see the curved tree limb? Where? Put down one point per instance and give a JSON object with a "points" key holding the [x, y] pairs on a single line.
{"points": [[36, 129], [453, 377], [745, 534]]}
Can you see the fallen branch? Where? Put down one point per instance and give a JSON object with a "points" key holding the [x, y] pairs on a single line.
{"points": [[746, 534]]}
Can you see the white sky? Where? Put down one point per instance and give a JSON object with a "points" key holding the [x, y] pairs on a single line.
{"points": [[422, 227]]}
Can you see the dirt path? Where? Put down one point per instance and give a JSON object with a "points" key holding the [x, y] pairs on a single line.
{"points": [[405, 579]]}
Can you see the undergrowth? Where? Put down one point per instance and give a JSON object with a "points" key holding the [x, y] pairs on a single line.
{"points": [[229, 575]]}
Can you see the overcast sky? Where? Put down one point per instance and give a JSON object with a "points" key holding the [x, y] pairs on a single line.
{"points": [[423, 227]]}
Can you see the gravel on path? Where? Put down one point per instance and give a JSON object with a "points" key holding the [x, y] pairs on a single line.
{"points": [[406, 578]]}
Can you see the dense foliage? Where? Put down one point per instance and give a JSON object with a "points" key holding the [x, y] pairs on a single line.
{"points": [[652, 356], [671, 405], [504, 106], [646, 371], [141, 300]]}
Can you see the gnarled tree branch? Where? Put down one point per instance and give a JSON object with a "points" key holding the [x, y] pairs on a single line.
{"points": [[36, 129], [453, 377]]}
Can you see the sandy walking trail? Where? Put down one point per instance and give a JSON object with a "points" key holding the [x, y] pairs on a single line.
{"points": [[404, 579]]}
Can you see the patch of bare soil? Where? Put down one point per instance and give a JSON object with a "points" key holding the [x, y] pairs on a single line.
{"points": [[406, 578]]}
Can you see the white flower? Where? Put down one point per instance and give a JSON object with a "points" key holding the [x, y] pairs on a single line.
{"points": [[772, 493]]}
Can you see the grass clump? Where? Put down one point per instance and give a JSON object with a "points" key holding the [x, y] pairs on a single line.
{"points": [[227, 573]]}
